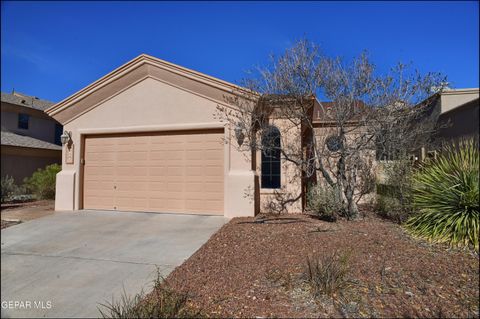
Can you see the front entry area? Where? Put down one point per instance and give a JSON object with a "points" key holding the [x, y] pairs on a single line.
{"points": [[174, 172]]}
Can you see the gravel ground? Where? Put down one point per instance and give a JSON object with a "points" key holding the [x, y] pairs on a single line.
{"points": [[28, 210], [250, 269]]}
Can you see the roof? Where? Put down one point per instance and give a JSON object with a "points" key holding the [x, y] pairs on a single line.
{"points": [[13, 139], [139, 68], [460, 91], [33, 102], [322, 110]]}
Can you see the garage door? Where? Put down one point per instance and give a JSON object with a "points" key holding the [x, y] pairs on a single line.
{"points": [[179, 172]]}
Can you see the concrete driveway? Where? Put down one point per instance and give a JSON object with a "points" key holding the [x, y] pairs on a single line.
{"points": [[64, 264]]}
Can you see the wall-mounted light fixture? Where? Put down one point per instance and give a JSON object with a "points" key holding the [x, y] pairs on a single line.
{"points": [[239, 134], [66, 138]]}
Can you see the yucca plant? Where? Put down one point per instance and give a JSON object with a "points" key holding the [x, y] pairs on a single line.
{"points": [[446, 195]]}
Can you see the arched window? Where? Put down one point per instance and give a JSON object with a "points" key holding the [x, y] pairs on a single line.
{"points": [[271, 171]]}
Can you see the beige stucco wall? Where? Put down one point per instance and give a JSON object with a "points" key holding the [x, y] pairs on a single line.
{"points": [[454, 98], [40, 126], [152, 105], [271, 200], [330, 160], [22, 162]]}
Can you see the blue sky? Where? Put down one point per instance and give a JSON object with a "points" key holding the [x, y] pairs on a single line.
{"points": [[53, 49]]}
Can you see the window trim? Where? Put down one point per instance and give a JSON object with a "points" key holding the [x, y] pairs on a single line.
{"points": [[275, 176]]}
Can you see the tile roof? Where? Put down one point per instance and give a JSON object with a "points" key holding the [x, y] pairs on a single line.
{"points": [[13, 139], [26, 100], [322, 110]]}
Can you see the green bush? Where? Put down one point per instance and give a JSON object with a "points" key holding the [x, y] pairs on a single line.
{"points": [[42, 182], [446, 195], [8, 187], [163, 302], [327, 274], [324, 201], [12, 192]]}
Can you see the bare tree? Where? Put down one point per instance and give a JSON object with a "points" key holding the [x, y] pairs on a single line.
{"points": [[367, 115]]}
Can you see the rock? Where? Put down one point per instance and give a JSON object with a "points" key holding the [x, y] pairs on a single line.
{"points": [[409, 293]]}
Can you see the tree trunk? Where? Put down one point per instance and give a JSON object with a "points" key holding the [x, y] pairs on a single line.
{"points": [[347, 190]]}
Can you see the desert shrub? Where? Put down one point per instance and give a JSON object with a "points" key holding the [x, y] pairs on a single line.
{"points": [[12, 192], [394, 196], [163, 302], [324, 201], [8, 187], [42, 182], [327, 274], [446, 195]]}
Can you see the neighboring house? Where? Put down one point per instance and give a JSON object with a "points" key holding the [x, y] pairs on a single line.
{"points": [[30, 139], [458, 117], [460, 114]]}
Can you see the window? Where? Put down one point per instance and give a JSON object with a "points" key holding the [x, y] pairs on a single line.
{"points": [[58, 133], [271, 172], [23, 121]]}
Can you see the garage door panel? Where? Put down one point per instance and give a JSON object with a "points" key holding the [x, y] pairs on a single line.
{"points": [[214, 187], [132, 187], [158, 155], [192, 154], [174, 186], [157, 171], [163, 172], [157, 187], [204, 178], [100, 200], [101, 185], [173, 204]]}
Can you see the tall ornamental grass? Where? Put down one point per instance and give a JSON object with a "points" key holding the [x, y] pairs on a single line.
{"points": [[445, 196]]}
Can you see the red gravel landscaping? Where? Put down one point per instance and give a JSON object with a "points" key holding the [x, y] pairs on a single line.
{"points": [[250, 269]]}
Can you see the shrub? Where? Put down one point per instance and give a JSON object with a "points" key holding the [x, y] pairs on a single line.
{"points": [[12, 192], [163, 302], [325, 201], [327, 274], [8, 187], [394, 197], [446, 194], [42, 182]]}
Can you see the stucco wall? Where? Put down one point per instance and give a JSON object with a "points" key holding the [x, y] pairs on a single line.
{"points": [[330, 160], [151, 105], [279, 200], [452, 99], [19, 162]]}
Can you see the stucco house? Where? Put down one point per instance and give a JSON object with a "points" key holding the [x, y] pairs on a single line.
{"points": [[459, 112], [30, 139], [458, 116], [146, 138]]}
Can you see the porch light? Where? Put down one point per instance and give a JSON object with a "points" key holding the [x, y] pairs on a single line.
{"points": [[240, 136], [66, 137]]}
